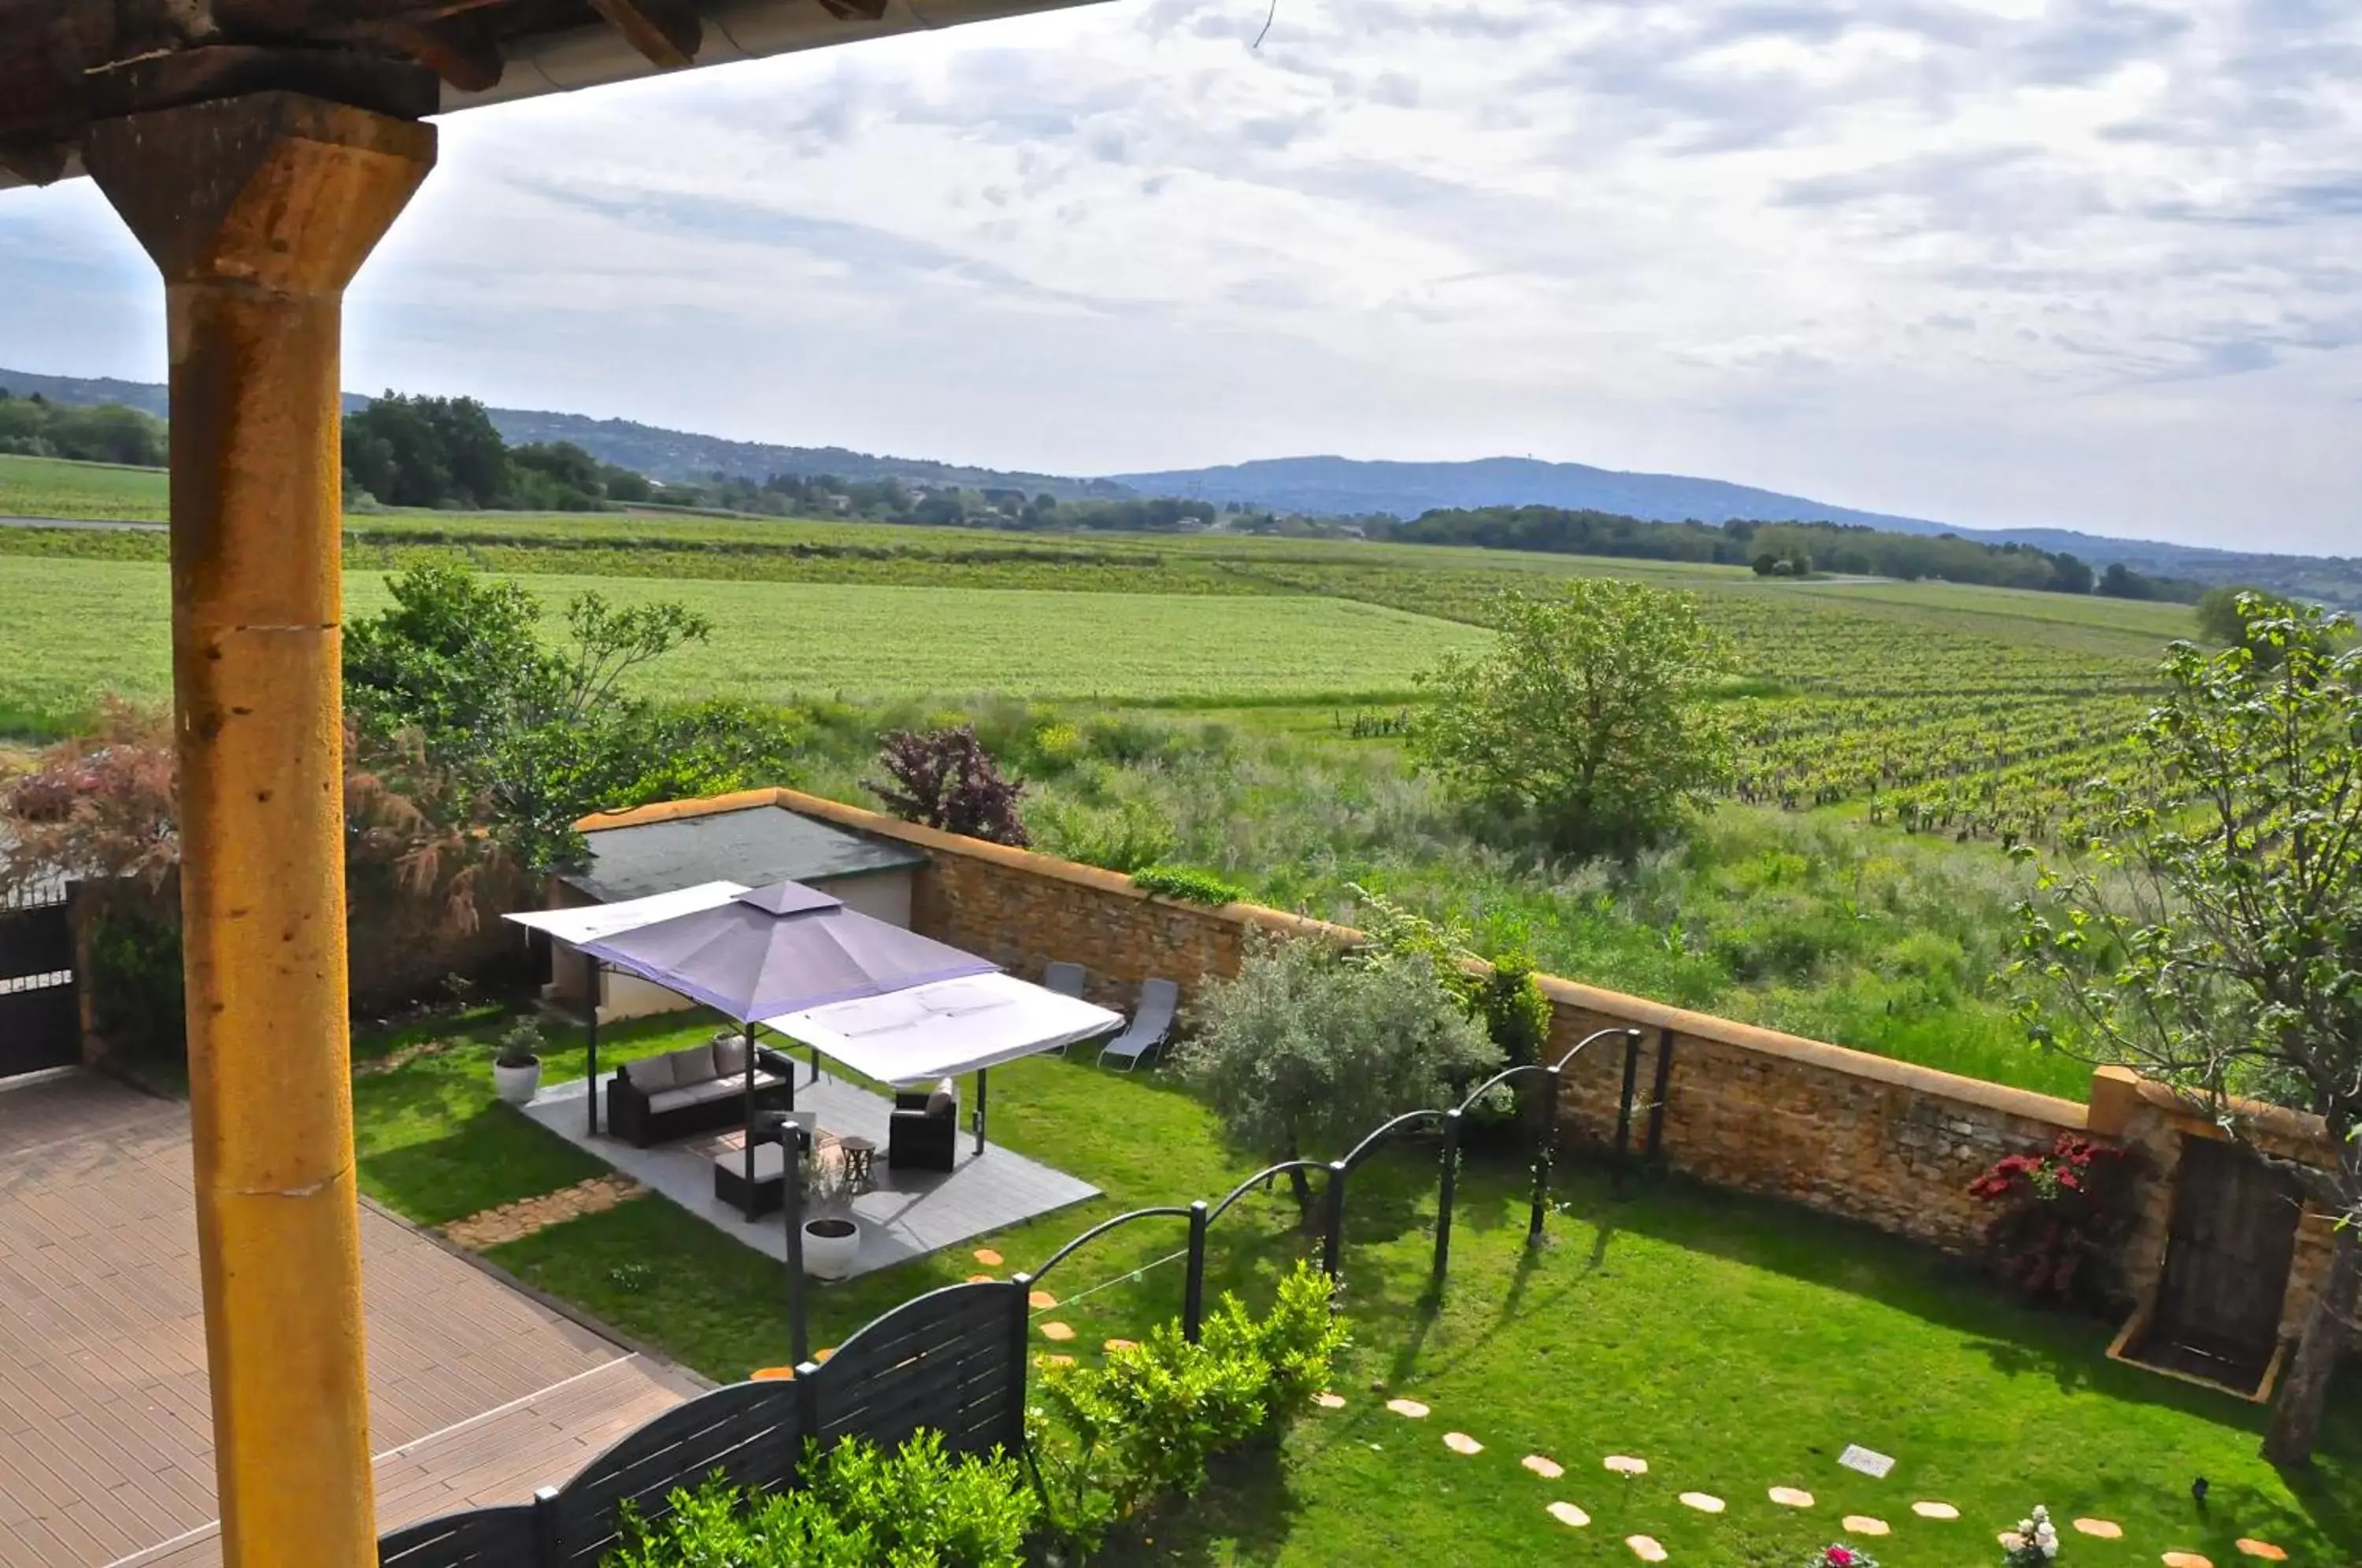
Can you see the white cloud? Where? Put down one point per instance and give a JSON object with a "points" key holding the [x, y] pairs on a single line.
{"points": [[2075, 262]]}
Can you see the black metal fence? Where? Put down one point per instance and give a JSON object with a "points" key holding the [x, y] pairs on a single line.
{"points": [[40, 1009], [954, 1360]]}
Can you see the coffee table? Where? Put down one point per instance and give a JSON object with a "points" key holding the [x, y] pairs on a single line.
{"points": [[727, 1152]]}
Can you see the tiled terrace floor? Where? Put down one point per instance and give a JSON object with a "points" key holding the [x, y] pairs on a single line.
{"points": [[907, 1215], [477, 1392]]}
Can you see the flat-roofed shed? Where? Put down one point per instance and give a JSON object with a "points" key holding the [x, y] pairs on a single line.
{"points": [[259, 150]]}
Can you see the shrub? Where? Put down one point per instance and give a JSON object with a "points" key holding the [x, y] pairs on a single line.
{"points": [[1109, 1441], [944, 779], [522, 1045], [1837, 1554], [857, 1507], [1129, 837], [2061, 1212], [1187, 884], [1304, 1051]]}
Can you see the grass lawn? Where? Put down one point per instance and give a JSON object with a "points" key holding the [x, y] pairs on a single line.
{"points": [[1736, 1345]]}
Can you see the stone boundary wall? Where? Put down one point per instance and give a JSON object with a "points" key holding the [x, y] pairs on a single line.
{"points": [[1886, 1142]]}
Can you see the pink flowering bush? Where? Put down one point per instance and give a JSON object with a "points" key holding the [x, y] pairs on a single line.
{"points": [[1840, 1555], [2061, 1212]]}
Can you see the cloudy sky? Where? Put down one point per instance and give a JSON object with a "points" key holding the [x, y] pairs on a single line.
{"points": [[2087, 263]]}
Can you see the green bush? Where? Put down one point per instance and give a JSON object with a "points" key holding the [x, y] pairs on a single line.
{"points": [[135, 976], [1109, 1441], [1129, 837], [1187, 884], [917, 1508]]}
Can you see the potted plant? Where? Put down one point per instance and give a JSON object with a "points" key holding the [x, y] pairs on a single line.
{"points": [[516, 1071], [832, 1235]]}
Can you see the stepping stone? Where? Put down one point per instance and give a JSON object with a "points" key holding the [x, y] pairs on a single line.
{"points": [[2011, 1540], [2106, 1529], [1461, 1443], [1862, 1524], [823, 1354], [987, 1257], [1040, 1301], [1935, 1510], [2263, 1549], [1790, 1497], [1120, 1344], [1058, 1332], [2185, 1560], [1548, 1469], [772, 1375], [1568, 1515], [979, 1279], [1410, 1407], [1703, 1502], [1645, 1548], [1330, 1401], [1624, 1464]]}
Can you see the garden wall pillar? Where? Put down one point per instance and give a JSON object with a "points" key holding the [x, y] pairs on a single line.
{"points": [[258, 211]]}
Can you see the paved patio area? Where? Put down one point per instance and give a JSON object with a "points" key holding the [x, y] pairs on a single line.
{"points": [[477, 1394], [909, 1214]]}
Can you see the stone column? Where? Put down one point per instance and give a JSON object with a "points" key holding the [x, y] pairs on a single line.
{"points": [[258, 211]]}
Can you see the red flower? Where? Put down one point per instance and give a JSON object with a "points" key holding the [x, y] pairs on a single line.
{"points": [[1839, 1557]]}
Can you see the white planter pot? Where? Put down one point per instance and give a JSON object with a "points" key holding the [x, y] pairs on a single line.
{"points": [[517, 1085], [830, 1246]]}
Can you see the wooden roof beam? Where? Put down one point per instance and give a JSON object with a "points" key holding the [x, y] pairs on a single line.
{"points": [[668, 32]]}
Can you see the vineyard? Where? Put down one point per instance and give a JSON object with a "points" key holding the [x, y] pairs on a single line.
{"points": [[1976, 713]]}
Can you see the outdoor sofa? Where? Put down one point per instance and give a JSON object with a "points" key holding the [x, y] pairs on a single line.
{"points": [[701, 1089], [923, 1132]]}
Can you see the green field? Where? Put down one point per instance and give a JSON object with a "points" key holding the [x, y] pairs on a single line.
{"points": [[49, 487], [74, 628]]}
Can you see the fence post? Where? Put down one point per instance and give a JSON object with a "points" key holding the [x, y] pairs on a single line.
{"points": [[1444, 1198], [1020, 1298], [1653, 1150], [545, 1528], [1624, 1110], [1193, 1292], [1542, 1153], [1332, 1248]]}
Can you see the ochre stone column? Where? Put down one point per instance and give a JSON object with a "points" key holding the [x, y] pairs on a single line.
{"points": [[258, 211]]}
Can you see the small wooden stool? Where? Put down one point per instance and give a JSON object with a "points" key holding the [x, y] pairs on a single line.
{"points": [[856, 1153]]}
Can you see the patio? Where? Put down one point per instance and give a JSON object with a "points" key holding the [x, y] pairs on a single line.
{"points": [[904, 1215]]}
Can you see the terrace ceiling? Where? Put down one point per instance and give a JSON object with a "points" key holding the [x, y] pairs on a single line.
{"points": [[66, 64]]}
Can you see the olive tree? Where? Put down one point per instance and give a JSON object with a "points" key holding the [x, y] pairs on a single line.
{"points": [[1307, 1050], [1589, 717], [2212, 935]]}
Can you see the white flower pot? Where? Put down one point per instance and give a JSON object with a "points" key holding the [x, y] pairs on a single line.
{"points": [[517, 1085], [831, 1246]]}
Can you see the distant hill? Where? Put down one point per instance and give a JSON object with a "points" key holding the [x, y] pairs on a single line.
{"points": [[1324, 486], [1347, 487], [674, 456]]}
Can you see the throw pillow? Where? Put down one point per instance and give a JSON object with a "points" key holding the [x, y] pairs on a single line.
{"points": [[650, 1073], [729, 1056]]}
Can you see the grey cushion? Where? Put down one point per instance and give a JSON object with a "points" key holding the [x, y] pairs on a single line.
{"points": [[941, 1104], [650, 1073], [672, 1098], [694, 1065], [710, 1090], [729, 1056]]}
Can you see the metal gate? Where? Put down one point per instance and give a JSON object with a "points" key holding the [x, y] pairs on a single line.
{"points": [[2226, 1261], [41, 1012]]}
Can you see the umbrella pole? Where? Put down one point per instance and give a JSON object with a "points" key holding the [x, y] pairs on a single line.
{"points": [[591, 1032], [747, 1141], [980, 1076]]}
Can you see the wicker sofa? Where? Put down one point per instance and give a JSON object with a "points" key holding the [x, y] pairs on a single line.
{"points": [[700, 1090]]}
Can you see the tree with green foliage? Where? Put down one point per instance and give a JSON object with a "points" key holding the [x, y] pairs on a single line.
{"points": [[1589, 718], [97, 433], [2212, 937], [547, 732], [1305, 1052]]}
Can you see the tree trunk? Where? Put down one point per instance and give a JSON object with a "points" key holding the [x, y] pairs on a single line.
{"points": [[2304, 1391]]}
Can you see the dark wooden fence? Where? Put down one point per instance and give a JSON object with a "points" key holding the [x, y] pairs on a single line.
{"points": [[953, 1361]]}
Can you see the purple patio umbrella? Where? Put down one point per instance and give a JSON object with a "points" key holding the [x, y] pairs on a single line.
{"points": [[781, 949]]}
